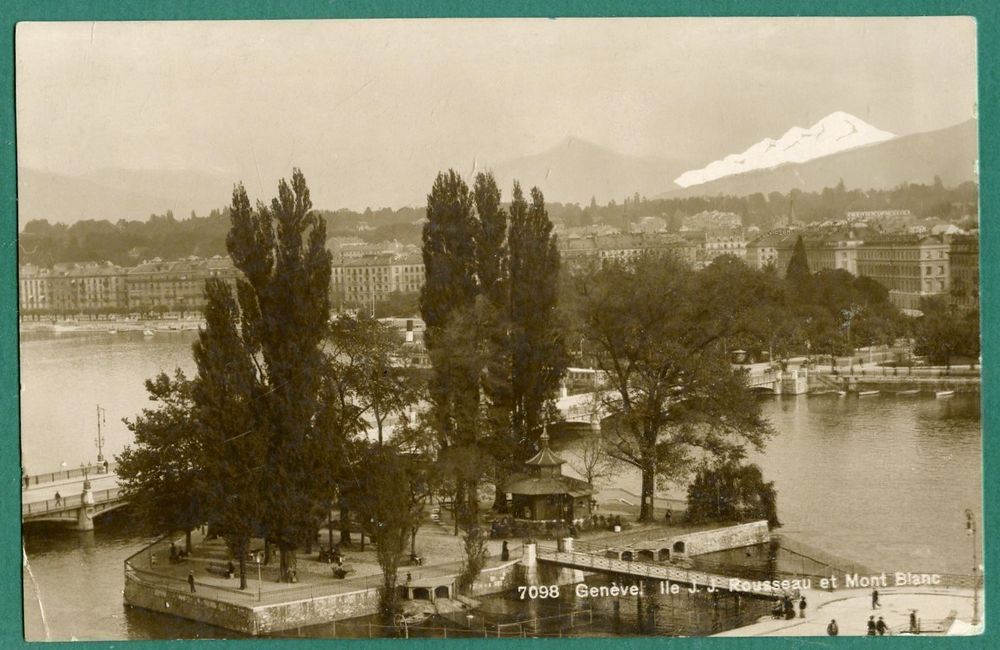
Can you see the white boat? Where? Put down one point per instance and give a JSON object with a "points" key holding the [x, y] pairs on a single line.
{"points": [[147, 332], [867, 393], [113, 330], [941, 394], [912, 391]]}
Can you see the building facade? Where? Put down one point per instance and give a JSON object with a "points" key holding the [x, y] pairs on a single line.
{"points": [[963, 258], [911, 267]]}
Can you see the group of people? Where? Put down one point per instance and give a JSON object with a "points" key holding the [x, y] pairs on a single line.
{"points": [[876, 627], [785, 608]]}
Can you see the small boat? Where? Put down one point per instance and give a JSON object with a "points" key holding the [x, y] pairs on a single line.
{"points": [[941, 394], [912, 391], [867, 393], [113, 330], [147, 332], [841, 393]]}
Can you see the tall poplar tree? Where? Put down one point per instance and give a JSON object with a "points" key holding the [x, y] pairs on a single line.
{"points": [[537, 336], [284, 310], [227, 394], [448, 296]]}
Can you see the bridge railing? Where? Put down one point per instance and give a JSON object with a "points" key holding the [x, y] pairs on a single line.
{"points": [[68, 502], [62, 475], [656, 571]]}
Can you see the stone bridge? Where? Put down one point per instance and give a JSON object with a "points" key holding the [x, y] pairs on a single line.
{"points": [[75, 500]]}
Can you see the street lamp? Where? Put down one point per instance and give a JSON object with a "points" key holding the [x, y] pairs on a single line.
{"points": [[970, 530]]}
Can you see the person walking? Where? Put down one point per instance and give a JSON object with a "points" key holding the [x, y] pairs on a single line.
{"points": [[802, 607], [914, 629], [504, 552], [191, 580], [832, 629], [871, 626], [881, 627], [875, 602], [58, 499]]}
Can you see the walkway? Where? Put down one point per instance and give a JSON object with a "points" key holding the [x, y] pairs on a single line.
{"points": [[851, 609]]}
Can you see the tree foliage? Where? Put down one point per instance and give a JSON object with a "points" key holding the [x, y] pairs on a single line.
{"points": [[731, 491], [658, 330]]}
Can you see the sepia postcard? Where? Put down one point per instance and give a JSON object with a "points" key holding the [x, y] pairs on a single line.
{"points": [[499, 328]]}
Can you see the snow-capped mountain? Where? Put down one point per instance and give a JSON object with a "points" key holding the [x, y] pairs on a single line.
{"points": [[836, 132]]}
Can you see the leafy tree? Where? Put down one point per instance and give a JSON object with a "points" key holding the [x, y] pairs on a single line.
{"points": [[731, 491], [386, 505], [159, 472], [284, 307], [476, 554], [225, 394], [658, 334], [942, 332], [450, 289], [537, 334], [798, 266]]}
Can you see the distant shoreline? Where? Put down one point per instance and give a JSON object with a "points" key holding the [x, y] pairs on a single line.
{"points": [[154, 325]]}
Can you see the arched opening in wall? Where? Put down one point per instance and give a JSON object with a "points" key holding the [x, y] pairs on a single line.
{"points": [[613, 554], [664, 554], [421, 593], [627, 556], [678, 547], [442, 592], [645, 555]]}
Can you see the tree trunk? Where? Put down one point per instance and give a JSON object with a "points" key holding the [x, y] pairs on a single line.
{"points": [[646, 501], [187, 541], [413, 541], [499, 498], [243, 569], [329, 529], [309, 543], [288, 561], [345, 525], [267, 551]]}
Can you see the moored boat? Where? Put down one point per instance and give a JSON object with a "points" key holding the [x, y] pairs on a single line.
{"points": [[941, 394], [912, 391], [867, 393]]}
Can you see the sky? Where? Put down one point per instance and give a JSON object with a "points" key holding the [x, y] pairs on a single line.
{"points": [[372, 109]]}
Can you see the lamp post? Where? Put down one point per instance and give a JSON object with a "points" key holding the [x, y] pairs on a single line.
{"points": [[99, 441], [970, 530]]}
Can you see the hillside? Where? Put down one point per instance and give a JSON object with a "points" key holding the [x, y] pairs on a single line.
{"points": [[576, 170], [949, 154]]}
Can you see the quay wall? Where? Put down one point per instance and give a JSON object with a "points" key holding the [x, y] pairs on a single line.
{"points": [[721, 539], [272, 618], [194, 607]]}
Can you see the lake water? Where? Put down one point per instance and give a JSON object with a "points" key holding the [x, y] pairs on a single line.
{"points": [[882, 480]]}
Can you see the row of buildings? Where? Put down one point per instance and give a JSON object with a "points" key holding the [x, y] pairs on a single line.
{"points": [[103, 288], [910, 266], [361, 275]]}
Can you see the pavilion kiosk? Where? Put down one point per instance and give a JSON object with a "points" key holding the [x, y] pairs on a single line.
{"points": [[545, 501]]}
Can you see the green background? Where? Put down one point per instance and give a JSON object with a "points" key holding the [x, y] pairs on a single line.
{"points": [[987, 14]]}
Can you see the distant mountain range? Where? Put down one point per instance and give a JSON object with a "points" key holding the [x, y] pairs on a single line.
{"points": [[115, 194], [950, 154], [836, 132], [576, 170], [571, 172]]}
